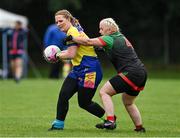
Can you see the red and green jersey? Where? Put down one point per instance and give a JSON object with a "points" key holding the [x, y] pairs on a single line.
{"points": [[120, 52]]}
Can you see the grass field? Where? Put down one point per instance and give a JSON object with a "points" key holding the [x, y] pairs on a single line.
{"points": [[27, 110]]}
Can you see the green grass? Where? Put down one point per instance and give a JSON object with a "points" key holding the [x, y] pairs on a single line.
{"points": [[27, 110]]}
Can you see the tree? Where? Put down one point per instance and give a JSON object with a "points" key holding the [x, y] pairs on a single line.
{"points": [[172, 10], [55, 5]]}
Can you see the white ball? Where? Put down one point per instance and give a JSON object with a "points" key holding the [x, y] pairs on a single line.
{"points": [[50, 53]]}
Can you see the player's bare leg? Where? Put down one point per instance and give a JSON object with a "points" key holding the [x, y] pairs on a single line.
{"points": [[133, 111], [19, 64], [18, 69], [13, 67], [106, 92]]}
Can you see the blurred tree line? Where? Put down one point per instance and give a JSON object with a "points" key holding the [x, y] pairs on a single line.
{"points": [[152, 26]]}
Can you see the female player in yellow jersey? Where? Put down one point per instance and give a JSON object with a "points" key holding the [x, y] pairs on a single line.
{"points": [[85, 75]]}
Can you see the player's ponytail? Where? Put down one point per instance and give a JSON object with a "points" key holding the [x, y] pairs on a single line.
{"points": [[76, 24]]}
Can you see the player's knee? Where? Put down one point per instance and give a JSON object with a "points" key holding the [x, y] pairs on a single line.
{"points": [[101, 93], [127, 103], [83, 104]]}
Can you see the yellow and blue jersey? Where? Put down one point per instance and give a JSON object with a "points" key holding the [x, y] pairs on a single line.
{"points": [[86, 67], [82, 51]]}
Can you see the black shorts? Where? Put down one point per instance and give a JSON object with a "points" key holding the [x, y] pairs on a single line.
{"points": [[14, 56], [139, 79]]}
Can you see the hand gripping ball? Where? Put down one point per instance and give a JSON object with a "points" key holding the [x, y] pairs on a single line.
{"points": [[50, 53]]}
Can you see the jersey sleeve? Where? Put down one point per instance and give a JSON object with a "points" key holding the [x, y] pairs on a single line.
{"points": [[106, 41], [73, 32]]}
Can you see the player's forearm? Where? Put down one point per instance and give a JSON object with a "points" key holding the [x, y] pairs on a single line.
{"points": [[65, 55], [82, 40]]}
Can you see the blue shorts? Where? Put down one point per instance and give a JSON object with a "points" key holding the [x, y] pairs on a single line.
{"points": [[88, 74]]}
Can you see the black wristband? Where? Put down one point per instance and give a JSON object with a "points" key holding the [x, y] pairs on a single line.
{"points": [[69, 38]]}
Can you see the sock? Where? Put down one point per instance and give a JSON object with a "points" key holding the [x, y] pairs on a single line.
{"points": [[111, 118], [139, 127]]}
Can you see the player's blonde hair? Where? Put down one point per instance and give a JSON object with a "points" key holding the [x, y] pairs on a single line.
{"points": [[68, 16], [111, 24]]}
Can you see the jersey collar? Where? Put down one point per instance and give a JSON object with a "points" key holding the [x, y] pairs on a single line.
{"points": [[116, 34]]}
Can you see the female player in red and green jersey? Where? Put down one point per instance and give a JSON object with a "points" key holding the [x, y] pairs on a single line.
{"points": [[131, 74]]}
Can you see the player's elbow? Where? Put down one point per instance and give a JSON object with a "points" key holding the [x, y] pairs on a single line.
{"points": [[72, 55]]}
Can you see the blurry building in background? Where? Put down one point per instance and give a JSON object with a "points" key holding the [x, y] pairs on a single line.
{"points": [[7, 23]]}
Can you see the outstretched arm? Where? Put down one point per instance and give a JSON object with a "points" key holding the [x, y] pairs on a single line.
{"points": [[86, 41]]}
